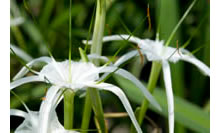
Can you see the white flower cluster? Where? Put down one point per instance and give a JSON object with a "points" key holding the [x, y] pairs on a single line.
{"points": [[82, 76]]}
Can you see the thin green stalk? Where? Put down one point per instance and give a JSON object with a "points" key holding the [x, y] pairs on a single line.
{"points": [[86, 113], [87, 106], [69, 94], [179, 23], [68, 109], [155, 71], [96, 48], [70, 39]]}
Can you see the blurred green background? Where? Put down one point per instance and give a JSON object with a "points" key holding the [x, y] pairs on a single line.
{"points": [[46, 23]]}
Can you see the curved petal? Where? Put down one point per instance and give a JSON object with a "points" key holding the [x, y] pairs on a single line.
{"points": [[22, 54], [45, 110], [25, 80], [133, 79], [57, 68], [16, 112], [122, 37], [169, 92], [95, 56], [126, 57], [204, 68], [24, 70], [118, 92]]}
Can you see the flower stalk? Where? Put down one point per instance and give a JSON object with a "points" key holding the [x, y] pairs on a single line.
{"points": [[92, 94], [87, 106], [154, 74], [68, 109], [96, 47], [69, 94]]}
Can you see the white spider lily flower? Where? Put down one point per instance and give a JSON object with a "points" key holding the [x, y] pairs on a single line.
{"points": [[155, 50], [31, 122], [34, 121], [83, 75]]}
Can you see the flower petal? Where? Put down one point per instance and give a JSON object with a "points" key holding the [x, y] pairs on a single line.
{"points": [[204, 68], [169, 92], [25, 80], [24, 70], [57, 67], [122, 37], [20, 53], [16, 112], [126, 57], [125, 74], [118, 92], [45, 110], [95, 56]]}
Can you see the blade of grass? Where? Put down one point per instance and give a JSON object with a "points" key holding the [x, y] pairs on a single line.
{"points": [[90, 29], [179, 23], [46, 12]]}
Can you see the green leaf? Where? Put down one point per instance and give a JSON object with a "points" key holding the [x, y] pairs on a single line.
{"points": [[189, 115]]}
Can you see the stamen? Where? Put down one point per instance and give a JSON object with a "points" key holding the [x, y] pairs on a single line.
{"points": [[141, 55], [148, 17], [47, 80], [177, 50], [45, 92]]}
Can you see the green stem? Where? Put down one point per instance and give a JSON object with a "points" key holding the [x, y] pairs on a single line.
{"points": [[87, 106], [96, 47], [155, 71], [93, 97], [86, 113], [68, 109]]}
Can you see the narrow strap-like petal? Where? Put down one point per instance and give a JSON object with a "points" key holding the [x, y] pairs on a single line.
{"points": [[118, 92], [204, 68], [117, 38], [24, 70], [125, 74], [25, 80], [20, 53], [95, 56], [57, 68], [16, 112], [169, 92], [46, 106], [126, 57]]}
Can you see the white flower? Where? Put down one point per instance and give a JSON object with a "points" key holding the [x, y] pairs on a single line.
{"points": [[83, 75], [156, 51], [32, 121]]}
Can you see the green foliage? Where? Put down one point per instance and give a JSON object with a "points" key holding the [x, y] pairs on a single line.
{"points": [[46, 29], [186, 113]]}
